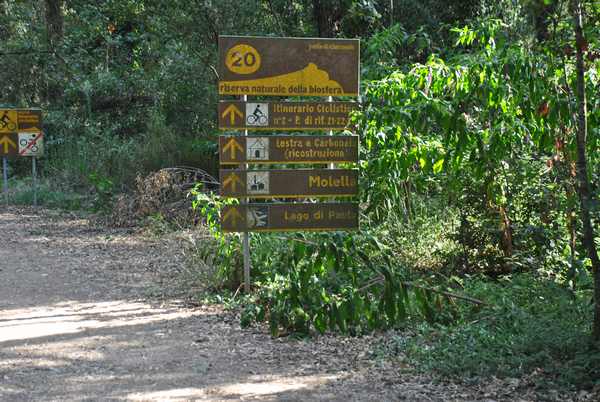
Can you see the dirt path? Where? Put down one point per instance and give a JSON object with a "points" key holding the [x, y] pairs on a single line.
{"points": [[77, 323]]}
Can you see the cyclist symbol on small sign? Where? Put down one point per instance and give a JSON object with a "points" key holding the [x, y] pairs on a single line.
{"points": [[257, 114], [8, 121]]}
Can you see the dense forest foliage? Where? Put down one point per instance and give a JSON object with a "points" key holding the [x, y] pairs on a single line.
{"points": [[480, 170]]}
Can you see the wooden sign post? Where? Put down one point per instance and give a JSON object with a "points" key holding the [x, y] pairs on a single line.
{"points": [[287, 67]]}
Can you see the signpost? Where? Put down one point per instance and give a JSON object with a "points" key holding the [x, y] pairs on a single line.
{"points": [[287, 67], [285, 115], [20, 135], [288, 149], [300, 183], [289, 217]]}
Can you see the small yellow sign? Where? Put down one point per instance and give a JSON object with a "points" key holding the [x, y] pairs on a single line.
{"points": [[243, 59], [8, 121]]}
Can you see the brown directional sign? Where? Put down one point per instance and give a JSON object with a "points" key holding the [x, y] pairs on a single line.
{"points": [[289, 183], [285, 115], [234, 150], [20, 120], [288, 66], [289, 217]]}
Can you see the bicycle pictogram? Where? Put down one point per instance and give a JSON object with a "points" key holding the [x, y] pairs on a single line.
{"points": [[257, 114], [6, 124]]}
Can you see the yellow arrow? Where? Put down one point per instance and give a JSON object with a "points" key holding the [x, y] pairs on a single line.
{"points": [[232, 111], [234, 215], [231, 146], [232, 179], [6, 141]]}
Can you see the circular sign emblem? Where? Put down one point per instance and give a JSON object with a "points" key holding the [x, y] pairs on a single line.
{"points": [[243, 59]]}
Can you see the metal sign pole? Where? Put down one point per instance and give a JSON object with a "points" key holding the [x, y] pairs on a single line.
{"points": [[34, 180], [5, 177], [246, 235], [330, 100]]}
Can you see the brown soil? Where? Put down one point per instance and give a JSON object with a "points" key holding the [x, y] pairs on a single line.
{"points": [[80, 320]]}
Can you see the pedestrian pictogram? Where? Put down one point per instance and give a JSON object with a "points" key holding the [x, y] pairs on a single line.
{"points": [[232, 147], [232, 111]]}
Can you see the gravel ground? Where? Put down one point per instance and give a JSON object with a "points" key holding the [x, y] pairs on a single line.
{"points": [[79, 321]]}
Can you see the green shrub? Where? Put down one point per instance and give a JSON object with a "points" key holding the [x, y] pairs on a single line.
{"points": [[529, 326]]}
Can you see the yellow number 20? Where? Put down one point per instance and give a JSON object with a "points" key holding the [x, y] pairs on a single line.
{"points": [[243, 59]]}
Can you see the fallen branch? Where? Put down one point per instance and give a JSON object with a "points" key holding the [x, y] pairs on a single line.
{"points": [[381, 280], [447, 294]]}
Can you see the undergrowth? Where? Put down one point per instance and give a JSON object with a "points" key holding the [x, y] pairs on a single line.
{"points": [[48, 194], [399, 274], [528, 327]]}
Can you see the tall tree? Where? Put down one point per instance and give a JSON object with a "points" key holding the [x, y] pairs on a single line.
{"points": [[54, 22], [3, 26], [54, 35], [585, 198], [542, 12], [328, 15]]}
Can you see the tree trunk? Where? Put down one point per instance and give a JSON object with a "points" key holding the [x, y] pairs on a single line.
{"points": [[542, 13], [327, 15], [4, 29], [583, 188], [54, 22], [54, 35], [507, 237]]}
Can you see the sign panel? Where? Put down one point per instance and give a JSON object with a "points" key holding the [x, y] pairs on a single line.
{"points": [[289, 183], [21, 144], [286, 149], [9, 144], [285, 115], [31, 144], [289, 217], [20, 120], [288, 66]]}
